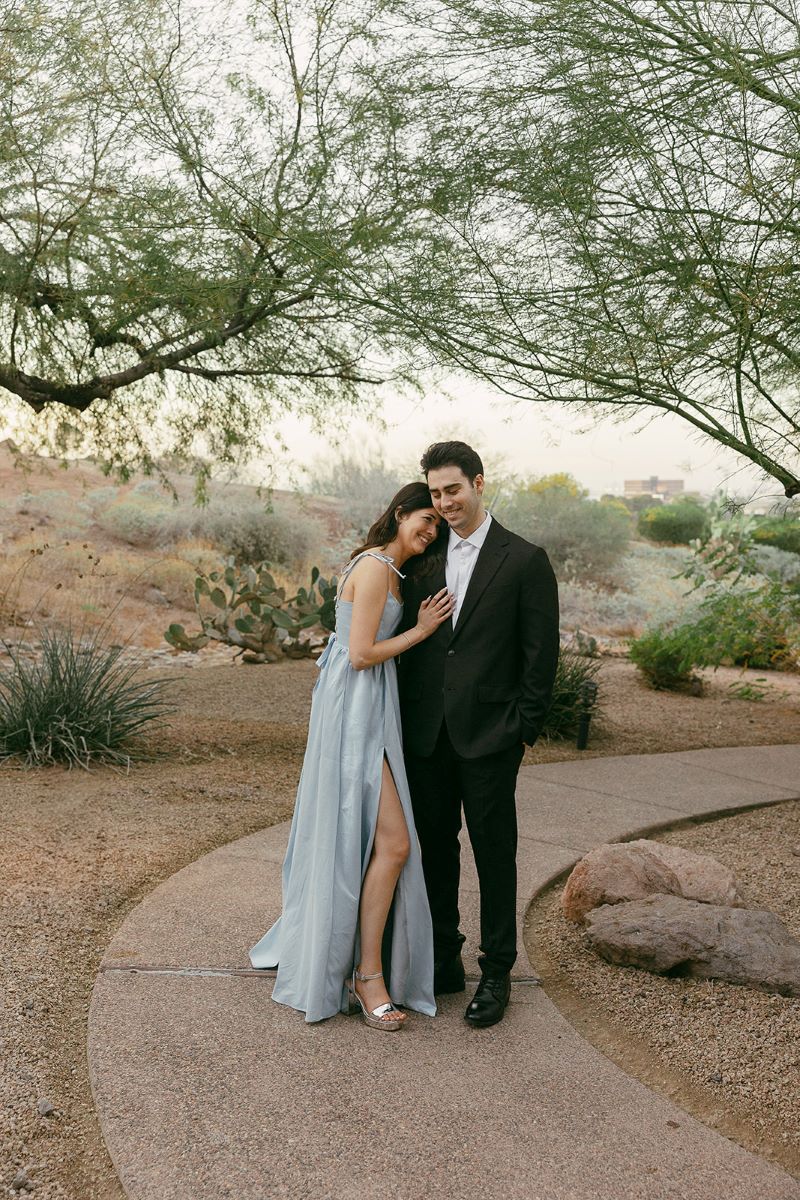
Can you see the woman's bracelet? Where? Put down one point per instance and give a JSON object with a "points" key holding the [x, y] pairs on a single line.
{"points": [[409, 643]]}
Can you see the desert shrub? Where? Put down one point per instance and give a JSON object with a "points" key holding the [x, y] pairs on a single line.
{"points": [[653, 574], [149, 487], [74, 704], [782, 533], [646, 587], [51, 506], [667, 657], [48, 502], [138, 522], [590, 607], [573, 673], [98, 499], [173, 577], [249, 531], [251, 534], [781, 565], [755, 627], [678, 523], [365, 485], [584, 538]]}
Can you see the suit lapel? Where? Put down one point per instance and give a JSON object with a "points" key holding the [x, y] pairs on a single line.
{"points": [[491, 555]]}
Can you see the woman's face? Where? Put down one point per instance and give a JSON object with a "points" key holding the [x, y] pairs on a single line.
{"points": [[416, 530]]}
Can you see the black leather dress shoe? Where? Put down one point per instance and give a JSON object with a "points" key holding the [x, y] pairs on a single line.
{"points": [[448, 976], [489, 1002]]}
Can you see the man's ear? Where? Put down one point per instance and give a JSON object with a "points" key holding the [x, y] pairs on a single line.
{"points": [[478, 483]]}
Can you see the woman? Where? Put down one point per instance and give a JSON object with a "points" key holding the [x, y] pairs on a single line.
{"points": [[353, 853]]}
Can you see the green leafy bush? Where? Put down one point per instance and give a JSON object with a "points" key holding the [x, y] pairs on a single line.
{"points": [[573, 673], [667, 658], [74, 704], [758, 627], [638, 504], [678, 523], [780, 532], [584, 538], [750, 627]]}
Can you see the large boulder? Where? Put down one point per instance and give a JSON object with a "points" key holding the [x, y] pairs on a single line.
{"points": [[709, 941], [620, 871]]}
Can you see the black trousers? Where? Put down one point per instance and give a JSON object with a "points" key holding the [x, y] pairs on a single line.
{"points": [[440, 785]]}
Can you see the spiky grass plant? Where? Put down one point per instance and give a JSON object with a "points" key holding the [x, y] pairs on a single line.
{"points": [[569, 696], [74, 704]]}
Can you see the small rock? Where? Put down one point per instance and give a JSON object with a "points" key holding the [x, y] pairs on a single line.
{"points": [[29, 1005], [45, 1108], [620, 871], [22, 1182], [708, 941], [715, 1077], [796, 850]]}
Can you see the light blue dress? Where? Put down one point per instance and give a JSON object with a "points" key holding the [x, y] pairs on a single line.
{"points": [[355, 721]]}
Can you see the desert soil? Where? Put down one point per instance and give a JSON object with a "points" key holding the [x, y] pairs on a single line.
{"points": [[729, 1054], [80, 849]]}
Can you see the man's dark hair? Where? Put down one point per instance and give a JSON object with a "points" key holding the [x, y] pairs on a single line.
{"points": [[452, 454]]}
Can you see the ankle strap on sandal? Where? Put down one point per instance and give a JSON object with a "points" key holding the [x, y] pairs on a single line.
{"points": [[363, 978]]}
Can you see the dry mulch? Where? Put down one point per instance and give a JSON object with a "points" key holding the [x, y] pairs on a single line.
{"points": [[80, 849], [729, 1054]]}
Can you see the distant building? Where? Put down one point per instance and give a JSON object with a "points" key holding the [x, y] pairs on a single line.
{"points": [[665, 489]]}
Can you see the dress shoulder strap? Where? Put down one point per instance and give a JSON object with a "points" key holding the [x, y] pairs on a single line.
{"points": [[384, 558]]}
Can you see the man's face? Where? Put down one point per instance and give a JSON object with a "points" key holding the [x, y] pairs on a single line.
{"points": [[459, 500]]}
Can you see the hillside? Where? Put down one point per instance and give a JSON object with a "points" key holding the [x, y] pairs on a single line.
{"points": [[78, 549]]}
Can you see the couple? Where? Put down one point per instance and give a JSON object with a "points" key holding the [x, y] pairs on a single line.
{"points": [[371, 874]]}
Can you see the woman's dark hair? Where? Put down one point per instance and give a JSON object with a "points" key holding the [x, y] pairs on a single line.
{"points": [[409, 499], [452, 454]]}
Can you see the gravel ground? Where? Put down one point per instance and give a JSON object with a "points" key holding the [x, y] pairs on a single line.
{"points": [[730, 1054], [80, 849]]}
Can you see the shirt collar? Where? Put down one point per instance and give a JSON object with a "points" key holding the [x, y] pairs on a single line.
{"points": [[476, 538]]}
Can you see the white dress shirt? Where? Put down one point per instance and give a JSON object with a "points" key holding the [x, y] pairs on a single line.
{"points": [[462, 554]]}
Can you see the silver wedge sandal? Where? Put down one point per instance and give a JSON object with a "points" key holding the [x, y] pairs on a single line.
{"points": [[377, 1019]]}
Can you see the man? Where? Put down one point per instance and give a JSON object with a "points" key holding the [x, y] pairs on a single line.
{"points": [[470, 696]]}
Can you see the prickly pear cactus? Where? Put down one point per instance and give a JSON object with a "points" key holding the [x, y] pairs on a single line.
{"points": [[313, 607], [244, 607]]}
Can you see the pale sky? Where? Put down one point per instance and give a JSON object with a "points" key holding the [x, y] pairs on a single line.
{"points": [[533, 439], [520, 438]]}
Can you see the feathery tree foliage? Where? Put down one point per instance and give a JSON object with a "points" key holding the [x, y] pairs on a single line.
{"points": [[182, 192], [206, 216], [617, 209]]}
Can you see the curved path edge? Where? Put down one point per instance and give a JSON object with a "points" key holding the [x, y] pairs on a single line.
{"points": [[205, 1089]]}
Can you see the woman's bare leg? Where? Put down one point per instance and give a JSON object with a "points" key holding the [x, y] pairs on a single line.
{"points": [[389, 853]]}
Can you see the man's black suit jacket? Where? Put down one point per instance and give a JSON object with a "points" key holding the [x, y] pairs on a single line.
{"points": [[491, 677]]}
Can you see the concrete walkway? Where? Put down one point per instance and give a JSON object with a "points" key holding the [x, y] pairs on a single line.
{"points": [[205, 1089]]}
